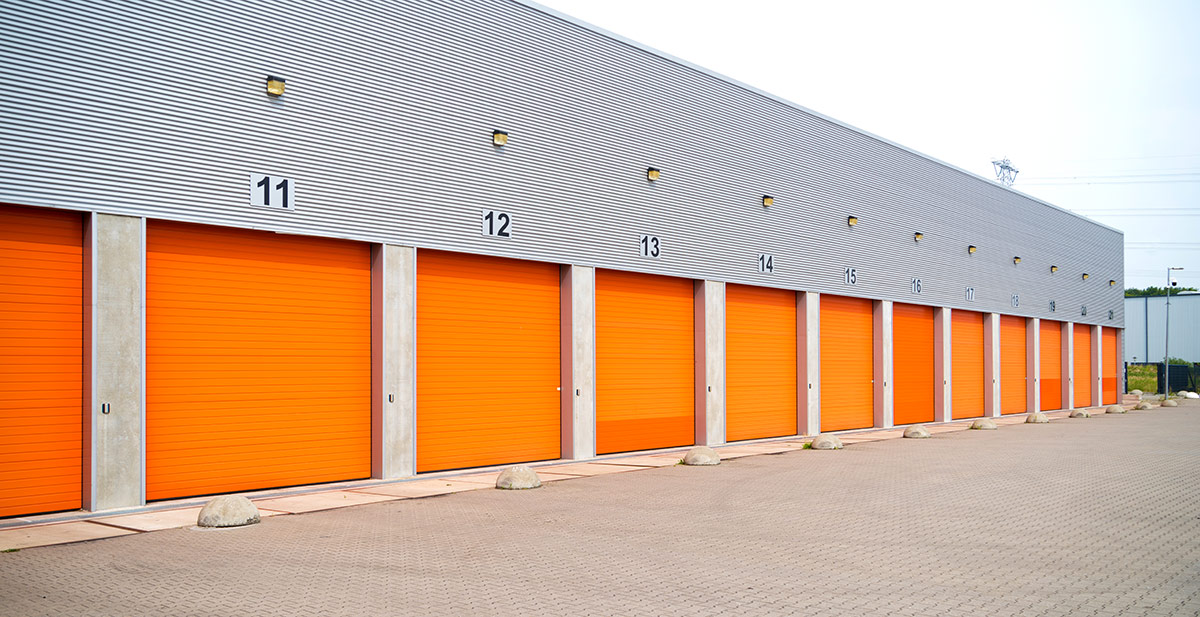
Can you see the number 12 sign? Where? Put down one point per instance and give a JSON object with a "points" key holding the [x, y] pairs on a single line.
{"points": [[272, 192]]}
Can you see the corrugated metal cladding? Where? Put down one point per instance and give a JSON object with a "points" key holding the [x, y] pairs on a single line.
{"points": [[1145, 335], [159, 109]]}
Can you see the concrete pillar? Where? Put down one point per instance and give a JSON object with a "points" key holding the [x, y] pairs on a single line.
{"points": [[1120, 362], [1068, 365], [883, 351], [393, 361], [578, 357], [942, 399], [1033, 364], [991, 365], [1098, 361], [114, 440], [808, 362], [710, 363]]}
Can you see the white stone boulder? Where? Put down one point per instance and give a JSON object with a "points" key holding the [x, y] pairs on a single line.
{"points": [[1193, 395], [983, 424], [1137, 392], [1037, 417], [826, 442], [518, 478], [1082, 413], [1114, 409], [1142, 406], [1169, 403], [701, 455], [917, 432], [228, 511]]}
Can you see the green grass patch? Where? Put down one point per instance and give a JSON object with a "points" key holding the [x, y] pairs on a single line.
{"points": [[1144, 378], [10, 550]]}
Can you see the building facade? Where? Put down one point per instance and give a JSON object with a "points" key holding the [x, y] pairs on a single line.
{"points": [[1146, 319], [383, 239]]}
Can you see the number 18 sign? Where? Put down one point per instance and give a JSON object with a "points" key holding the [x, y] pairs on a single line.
{"points": [[272, 192]]}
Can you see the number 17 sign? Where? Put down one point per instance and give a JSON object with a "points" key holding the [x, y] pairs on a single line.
{"points": [[272, 192]]}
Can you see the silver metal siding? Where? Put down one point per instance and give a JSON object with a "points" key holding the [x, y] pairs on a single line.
{"points": [[1148, 316], [158, 109]]}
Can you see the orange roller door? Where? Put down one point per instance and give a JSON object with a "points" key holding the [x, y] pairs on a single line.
{"points": [[645, 372], [966, 372], [1111, 362], [258, 360], [1050, 343], [41, 360], [1083, 365], [487, 361], [847, 363], [760, 362], [1013, 397], [912, 344]]}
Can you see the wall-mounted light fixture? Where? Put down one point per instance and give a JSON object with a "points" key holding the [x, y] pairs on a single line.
{"points": [[652, 173], [917, 236], [852, 220], [499, 138], [1111, 282], [768, 201], [1016, 260], [276, 85], [1053, 269], [971, 249], [1085, 276]]}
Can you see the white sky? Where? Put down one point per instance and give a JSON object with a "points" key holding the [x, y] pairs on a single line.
{"points": [[1097, 103]]}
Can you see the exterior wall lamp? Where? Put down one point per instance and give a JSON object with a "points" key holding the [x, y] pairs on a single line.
{"points": [[276, 85], [917, 236], [1016, 260], [971, 249], [852, 220], [768, 201], [499, 138], [652, 174], [1053, 269]]}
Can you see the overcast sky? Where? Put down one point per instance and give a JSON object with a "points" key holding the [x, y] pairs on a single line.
{"points": [[1097, 103]]}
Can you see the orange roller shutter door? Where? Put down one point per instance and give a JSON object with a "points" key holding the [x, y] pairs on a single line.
{"points": [[487, 361], [258, 360], [1111, 364], [1050, 343], [760, 362], [41, 360], [645, 371], [966, 372], [1013, 397], [912, 342], [847, 363], [1082, 383]]}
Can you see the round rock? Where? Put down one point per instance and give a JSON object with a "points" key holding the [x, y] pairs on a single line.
{"points": [[1114, 409], [228, 511], [1082, 413], [1137, 392], [518, 478], [1142, 406], [983, 424], [917, 432], [1037, 418], [702, 455], [1169, 403], [826, 442], [1193, 395]]}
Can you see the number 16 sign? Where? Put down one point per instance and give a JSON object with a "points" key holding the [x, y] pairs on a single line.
{"points": [[272, 192]]}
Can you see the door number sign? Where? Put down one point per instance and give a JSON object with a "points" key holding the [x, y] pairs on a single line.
{"points": [[274, 192], [496, 223], [650, 246], [766, 263]]}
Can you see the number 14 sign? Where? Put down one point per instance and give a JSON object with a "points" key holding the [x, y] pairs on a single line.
{"points": [[272, 192]]}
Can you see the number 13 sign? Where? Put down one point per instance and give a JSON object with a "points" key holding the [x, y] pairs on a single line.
{"points": [[272, 192]]}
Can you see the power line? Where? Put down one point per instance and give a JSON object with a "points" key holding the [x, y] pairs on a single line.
{"points": [[1085, 182], [1116, 176]]}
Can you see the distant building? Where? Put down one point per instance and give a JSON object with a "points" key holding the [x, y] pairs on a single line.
{"points": [[1145, 322]]}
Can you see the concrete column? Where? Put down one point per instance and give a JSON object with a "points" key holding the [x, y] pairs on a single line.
{"points": [[1098, 360], [942, 399], [808, 362], [1068, 365], [991, 365], [393, 361], [1033, 364], [883, 351], [710, 363], [578, 356], [114, 440]]}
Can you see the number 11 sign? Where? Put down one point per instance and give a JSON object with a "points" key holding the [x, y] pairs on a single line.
{"points": [[272, 192]]}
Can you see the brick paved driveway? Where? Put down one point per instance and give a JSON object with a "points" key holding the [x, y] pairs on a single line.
{"points": [[1079, 517]]}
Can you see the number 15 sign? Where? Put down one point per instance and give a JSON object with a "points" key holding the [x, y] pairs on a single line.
{"points": [[272, 192]]}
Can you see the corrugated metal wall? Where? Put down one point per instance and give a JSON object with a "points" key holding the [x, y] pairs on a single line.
{"points": [[1148, 317], [159, 109]]}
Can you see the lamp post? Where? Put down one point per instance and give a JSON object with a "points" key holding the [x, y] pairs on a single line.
{"points": [[1167, 341]]}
